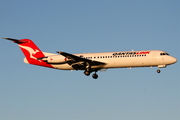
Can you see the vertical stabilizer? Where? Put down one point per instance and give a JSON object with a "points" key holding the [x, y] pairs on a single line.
{"points": [[31, 52]]}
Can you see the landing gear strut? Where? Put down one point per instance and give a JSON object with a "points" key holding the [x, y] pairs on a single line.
{"points": [[87, 72]]}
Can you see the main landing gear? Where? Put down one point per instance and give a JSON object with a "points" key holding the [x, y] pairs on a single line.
{"points": [[160, 66], [95, 76], [87, 73]]}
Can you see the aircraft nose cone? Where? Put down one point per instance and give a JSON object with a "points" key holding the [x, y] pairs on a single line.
{"points": [[174, 60]]}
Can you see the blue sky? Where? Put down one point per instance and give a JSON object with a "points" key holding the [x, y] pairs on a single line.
{"points": [[30, 92]]}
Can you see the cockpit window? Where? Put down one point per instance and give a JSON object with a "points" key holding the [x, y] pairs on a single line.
{"points": [[164, 54]]}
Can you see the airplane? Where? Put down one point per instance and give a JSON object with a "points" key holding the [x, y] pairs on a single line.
{"points": [[93, 62]]}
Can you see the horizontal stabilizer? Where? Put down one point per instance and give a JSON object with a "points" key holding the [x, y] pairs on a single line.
{"points": [[15, 40]]}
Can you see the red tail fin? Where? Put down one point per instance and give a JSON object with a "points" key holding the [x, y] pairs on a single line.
{"points": [[31, 52]]}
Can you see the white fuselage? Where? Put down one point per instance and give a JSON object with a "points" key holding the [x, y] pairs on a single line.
{"points": [[148, 58]]}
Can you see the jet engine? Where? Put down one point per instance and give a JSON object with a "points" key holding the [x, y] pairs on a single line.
{"points": [[55, 59]]}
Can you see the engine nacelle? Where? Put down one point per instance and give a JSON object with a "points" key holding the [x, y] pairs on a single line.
{"points": [[54, 59]]}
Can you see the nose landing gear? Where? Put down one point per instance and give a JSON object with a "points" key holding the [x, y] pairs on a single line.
{"points": [[158, 71], [160, 66]]}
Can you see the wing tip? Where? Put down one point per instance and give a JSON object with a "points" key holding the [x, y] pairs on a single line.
{"points": [[59, 52], [5, 38]]}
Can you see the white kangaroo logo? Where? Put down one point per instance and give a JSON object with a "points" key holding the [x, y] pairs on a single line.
{"points": [[31, 51]]}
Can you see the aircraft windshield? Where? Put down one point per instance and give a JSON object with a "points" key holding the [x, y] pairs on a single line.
{"points": [[164, 54]]}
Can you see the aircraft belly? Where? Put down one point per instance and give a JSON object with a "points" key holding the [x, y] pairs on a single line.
{"points": [[63, 67], [143, 62], [130, 62]]}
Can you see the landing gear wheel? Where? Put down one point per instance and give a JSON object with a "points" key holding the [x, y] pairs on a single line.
{"points": [[158, 71], [87, 73], [95, 76]]}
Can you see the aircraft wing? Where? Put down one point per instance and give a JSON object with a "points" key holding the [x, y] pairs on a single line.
{"points": [[76, 59]]}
